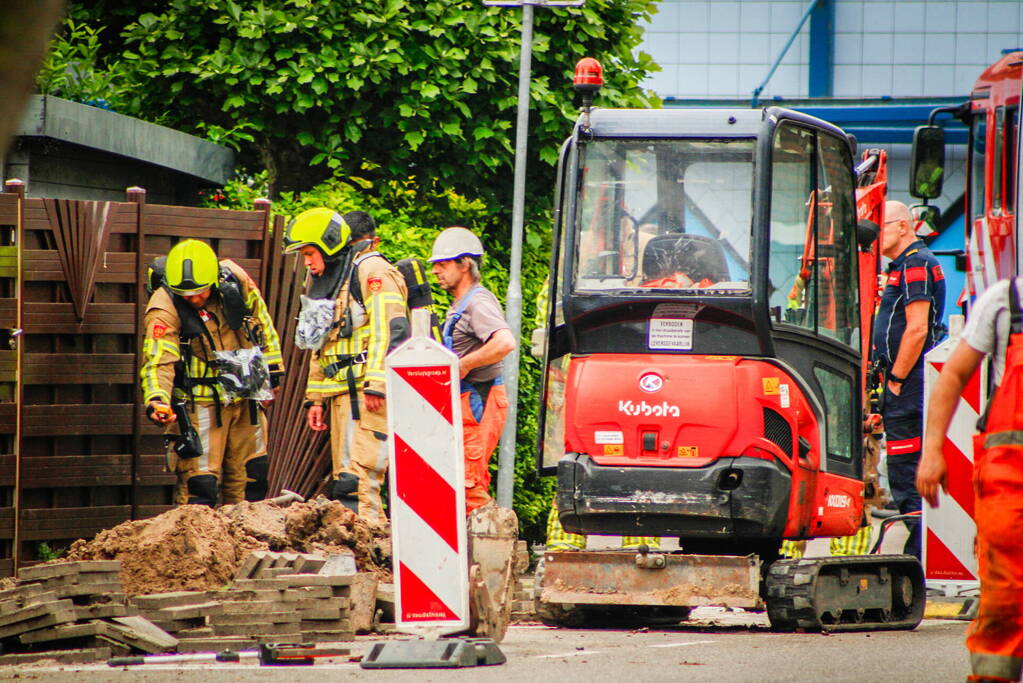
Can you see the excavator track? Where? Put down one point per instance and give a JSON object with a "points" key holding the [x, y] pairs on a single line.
{"points": [[851, 593]]}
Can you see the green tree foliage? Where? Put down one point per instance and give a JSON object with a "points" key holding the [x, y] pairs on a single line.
{"points": [[403, 108], [410, 215], [423, 87], [75, 70]]}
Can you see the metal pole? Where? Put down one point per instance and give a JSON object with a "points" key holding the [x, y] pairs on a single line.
{"points": [[763, 84], [513, 302]]}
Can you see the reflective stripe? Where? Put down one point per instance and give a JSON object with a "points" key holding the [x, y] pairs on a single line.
{"points": [[792, 549], [349, 425], [326, 387], [203, 413], [153, 351], [857, 544], [630, 542], [903, 446], [260, 440], [988, 665], [198, 369], [331, 354], [272, 343], [374, 483], [1013, 437], [379, 335], [558, 538]]}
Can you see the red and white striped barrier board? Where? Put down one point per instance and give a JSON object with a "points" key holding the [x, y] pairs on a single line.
{"points": [[949, 529], [427, 486]]}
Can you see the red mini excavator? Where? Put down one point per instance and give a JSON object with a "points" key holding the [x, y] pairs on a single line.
{"points": [[711, 293]]}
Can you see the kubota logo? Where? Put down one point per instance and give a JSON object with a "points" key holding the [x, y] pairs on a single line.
{"points": [[651, 382], [662, 409]]}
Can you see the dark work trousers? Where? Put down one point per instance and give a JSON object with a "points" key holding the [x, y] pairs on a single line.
{"points": [[903, 426]]}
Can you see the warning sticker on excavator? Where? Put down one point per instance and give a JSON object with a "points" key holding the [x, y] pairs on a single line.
{"points": [[608, 437], [614, 449], [783, 393], [771, 385], [688, 452], [670, 333]]}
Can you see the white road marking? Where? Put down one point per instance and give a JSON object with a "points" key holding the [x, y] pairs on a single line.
{"points": [[574, 653], [691, 642]]}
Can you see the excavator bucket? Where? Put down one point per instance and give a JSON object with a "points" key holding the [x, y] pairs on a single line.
{"points": [[611, 578], [493, 531]]}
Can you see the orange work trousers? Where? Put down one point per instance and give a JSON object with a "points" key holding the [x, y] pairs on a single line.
{"points": [[995, 638], [482, 424]]}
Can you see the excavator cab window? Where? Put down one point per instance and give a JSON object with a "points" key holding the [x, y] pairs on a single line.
{"points": [[840, 415], [665, 214], [812, 258]]}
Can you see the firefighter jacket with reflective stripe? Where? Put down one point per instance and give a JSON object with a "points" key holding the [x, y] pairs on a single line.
{"points": [[162, 348], [381, 324], [915, 275]]}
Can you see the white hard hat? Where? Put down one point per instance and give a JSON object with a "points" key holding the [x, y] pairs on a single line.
{"points": [[455, 242]]}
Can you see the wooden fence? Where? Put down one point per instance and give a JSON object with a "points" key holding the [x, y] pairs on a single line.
{"points": [[76, 454]]}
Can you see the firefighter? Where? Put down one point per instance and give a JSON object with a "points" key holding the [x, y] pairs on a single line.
{"points": [[908, 324], [995, 326], [475, 329], [210, 356], [353, 315]]}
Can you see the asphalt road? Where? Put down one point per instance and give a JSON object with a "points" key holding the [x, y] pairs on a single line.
{"points": [[718, 646]]}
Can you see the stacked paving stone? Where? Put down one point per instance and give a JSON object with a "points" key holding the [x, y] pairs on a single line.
{"points": [[312, 608], [73, 612], [178, 612], [275, 598], [264, 564], [77, 611], [523, 606], [523, 600]]}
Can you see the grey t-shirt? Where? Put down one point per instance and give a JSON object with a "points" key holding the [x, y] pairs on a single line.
{"points": [[481, 318], [987, 327]]}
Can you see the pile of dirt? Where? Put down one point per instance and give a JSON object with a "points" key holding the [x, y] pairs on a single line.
{"points": [[263, 521], [324, 526], [194, 547], [188, 548]]}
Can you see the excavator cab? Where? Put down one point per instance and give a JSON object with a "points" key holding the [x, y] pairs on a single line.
{"points": [[704, 362]]}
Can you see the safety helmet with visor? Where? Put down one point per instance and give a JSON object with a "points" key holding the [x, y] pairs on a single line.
{"points": [[454, 243], [322, 228], [191, 268]]}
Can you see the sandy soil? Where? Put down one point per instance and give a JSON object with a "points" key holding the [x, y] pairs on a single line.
{"points": [[194, 547]]}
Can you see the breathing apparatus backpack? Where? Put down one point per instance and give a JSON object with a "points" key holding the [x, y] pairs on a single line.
{"points": [[413, 271]]}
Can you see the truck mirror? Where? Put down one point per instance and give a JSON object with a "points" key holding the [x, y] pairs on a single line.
{"points": [[928, 162], [927, 216]]}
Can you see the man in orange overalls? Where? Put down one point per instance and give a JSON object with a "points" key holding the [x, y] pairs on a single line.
{"points": [[475, 329], [995, 326]]}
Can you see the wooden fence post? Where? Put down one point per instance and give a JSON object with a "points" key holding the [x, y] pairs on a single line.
{"points": [[137, 195], [17, 186], [266, 258]]}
